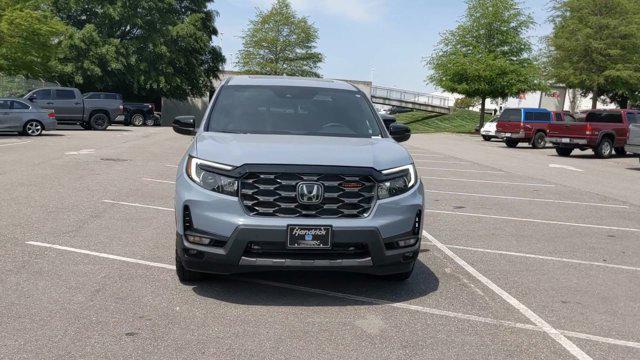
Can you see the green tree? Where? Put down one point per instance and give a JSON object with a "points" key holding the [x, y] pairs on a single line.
{"points": [[595, 47], [279, 42], [487, 55], [29, 38], [143, 49]]}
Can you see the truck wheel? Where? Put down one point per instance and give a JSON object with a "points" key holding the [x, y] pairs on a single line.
{"points": [[511, 143], [150, 121], [604, 148], [137, 120], [85, 125], [486, 138], [539, 141], [620, 151], [185, 275], [563, 151], [99, 121]]}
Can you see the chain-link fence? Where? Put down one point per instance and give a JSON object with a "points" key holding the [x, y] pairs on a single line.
{"points": [[16, 86]]}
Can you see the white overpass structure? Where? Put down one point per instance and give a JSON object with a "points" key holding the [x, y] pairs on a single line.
{"points": [[411, 99]]}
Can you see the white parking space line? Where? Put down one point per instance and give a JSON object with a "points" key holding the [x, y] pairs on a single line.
{"points": [[108, 256], [487, 181], [172, 166], [445, 162], [567, 167], [160, 181], [527, 199], [16, 143], [358, 298], [551, 331], [460, 170], [624, 267], [138, 205], [535, 220], [424, 155], [81, 152]]}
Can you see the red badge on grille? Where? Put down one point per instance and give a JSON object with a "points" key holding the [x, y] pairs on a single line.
{"points": [[351, 185]]}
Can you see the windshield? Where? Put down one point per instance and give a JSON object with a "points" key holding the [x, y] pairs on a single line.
{"points": [[247, 109]]}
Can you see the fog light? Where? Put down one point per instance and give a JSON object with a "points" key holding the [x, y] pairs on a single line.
{"points": [[406, 243], [198, 239]]}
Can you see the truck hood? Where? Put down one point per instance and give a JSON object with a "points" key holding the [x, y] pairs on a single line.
{"points": [[240, 149]]}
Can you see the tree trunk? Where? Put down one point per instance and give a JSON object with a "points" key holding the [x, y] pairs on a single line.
{"points": [[594, 98], [483, 100]]}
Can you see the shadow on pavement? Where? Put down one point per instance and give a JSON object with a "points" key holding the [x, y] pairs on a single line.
{"points": [[248, 290], [19, 136]]}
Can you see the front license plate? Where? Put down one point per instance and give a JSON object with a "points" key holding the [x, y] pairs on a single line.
{"points": [[566, 140], [507, 134], [308, 237]]}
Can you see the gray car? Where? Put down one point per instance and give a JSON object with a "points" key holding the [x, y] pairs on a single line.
{"points": [[295, 174], [17, 115]]}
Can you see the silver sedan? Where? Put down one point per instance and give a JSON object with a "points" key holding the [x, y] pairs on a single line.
{"points": [[16, 115]]}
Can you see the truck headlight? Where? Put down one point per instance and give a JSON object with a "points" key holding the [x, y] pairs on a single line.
{"points": [[203, 173], [395, 186]]}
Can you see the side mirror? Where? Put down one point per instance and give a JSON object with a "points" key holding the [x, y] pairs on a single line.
{"points": [[399, 132], [33, 98], [185, 125]]}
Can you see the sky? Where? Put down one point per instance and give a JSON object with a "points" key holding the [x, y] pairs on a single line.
{"points": [[380, 40]]}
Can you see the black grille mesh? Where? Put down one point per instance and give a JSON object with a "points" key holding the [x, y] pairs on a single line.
{"points": [[274, 194]]}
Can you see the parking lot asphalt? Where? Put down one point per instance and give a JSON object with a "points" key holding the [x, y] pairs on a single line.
{"points": [[526, 255]]}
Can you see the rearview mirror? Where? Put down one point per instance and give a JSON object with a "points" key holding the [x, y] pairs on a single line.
{"points": [[185, 125], [399, 132]]}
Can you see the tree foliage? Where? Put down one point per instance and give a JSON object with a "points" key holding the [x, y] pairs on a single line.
{"points": [[279, 42], [140, 48], [595, 46], [488, 54], [29, 38]]}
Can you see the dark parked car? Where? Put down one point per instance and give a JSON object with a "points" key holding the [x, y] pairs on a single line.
{"points": [[71, 108], [387, 119], [136, 114]]}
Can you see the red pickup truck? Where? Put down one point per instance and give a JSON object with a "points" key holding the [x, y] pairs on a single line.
{"points": [[527, 125], [603, 131]]}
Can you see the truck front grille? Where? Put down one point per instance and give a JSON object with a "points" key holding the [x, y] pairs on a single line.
{"points": [[274, 194]]}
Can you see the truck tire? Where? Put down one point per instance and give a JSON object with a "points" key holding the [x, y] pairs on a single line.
{"points": [[185, 275], [539, 140], [137, 119], [620, 151], [99, 121], [511, 143], [486, 138], [150, 121], [604, 148], [563, 151]]}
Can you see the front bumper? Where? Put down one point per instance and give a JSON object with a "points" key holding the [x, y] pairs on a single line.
{"points": [[224, 218]]}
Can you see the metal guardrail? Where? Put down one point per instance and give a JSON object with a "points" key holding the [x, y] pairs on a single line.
{"points": [[410, 96]]}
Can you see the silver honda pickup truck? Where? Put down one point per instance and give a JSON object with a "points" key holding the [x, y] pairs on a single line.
{"points": [[295, 174]]}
